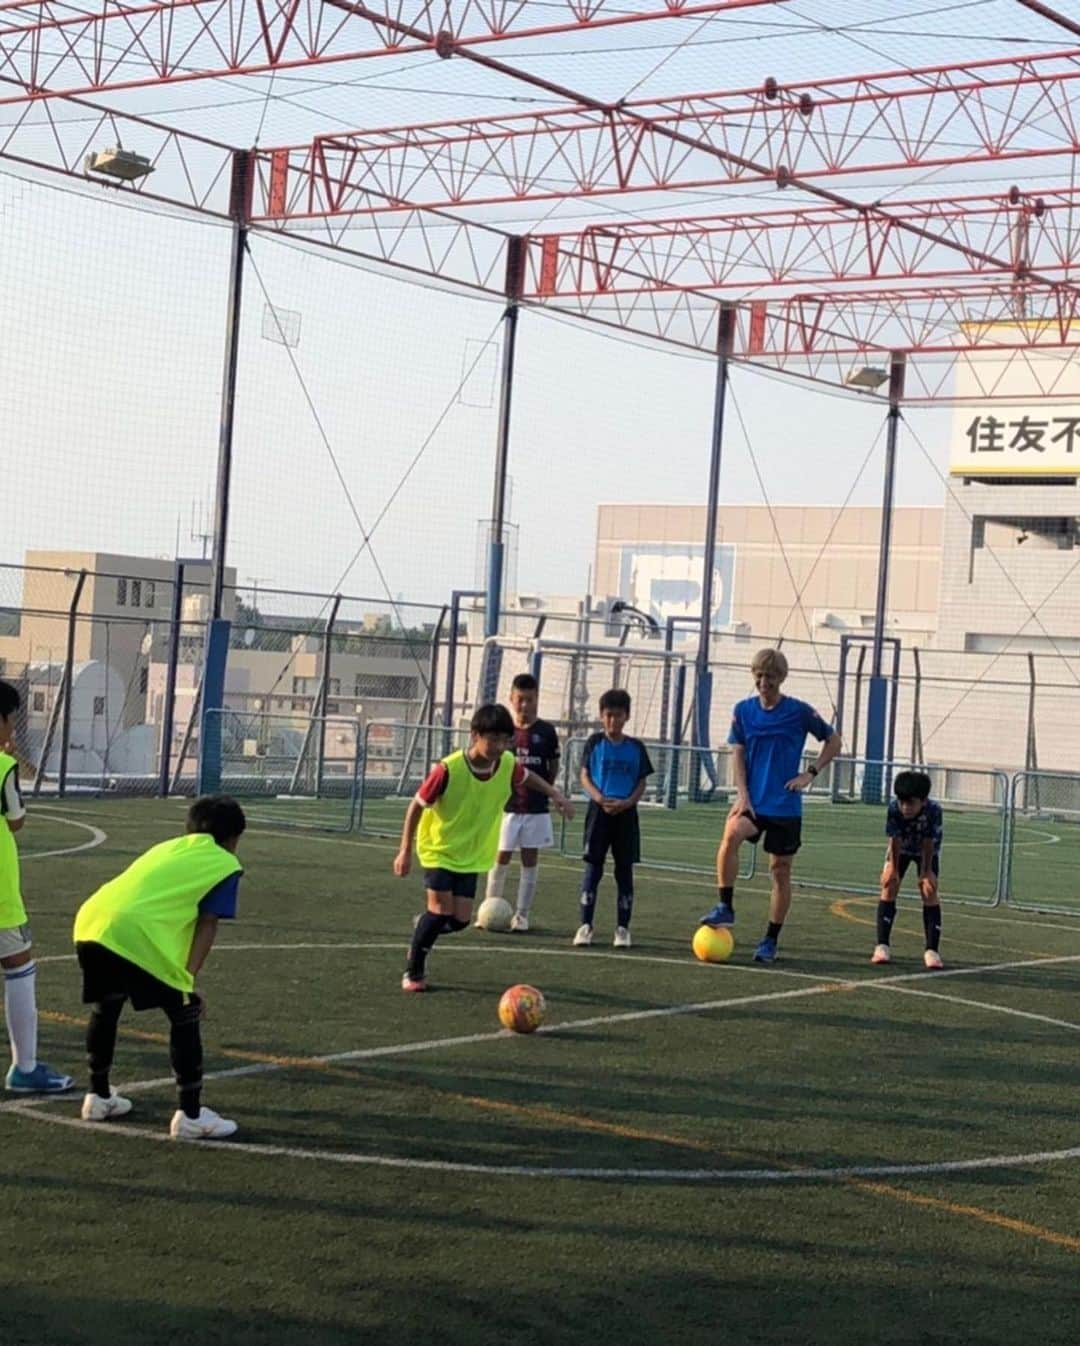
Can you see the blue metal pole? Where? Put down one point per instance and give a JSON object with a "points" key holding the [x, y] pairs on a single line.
{"points": [[878, 697], [515, 257]]}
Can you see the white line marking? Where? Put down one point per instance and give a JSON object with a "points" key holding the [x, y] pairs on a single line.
{"points": [[717, 1175], [97, 836], [981, 1004], [570, 1025]]}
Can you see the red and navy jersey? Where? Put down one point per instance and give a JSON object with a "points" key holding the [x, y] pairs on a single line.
{"points": [[537, 749]]}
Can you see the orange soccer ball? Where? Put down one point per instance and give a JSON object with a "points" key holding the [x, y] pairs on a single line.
{"points": [[522, 1009]]}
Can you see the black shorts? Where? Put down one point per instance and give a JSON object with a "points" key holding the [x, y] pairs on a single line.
{"points": [[906, 861], [106, 975], [783, 836], [447, 881], [619, 833]]}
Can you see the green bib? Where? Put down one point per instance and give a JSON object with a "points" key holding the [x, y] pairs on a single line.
{"points": [[147, 914], [461, 831], [12, 911]]}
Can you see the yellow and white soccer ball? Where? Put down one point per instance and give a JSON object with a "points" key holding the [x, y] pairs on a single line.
{"points": [[494, 914], [522, 1009]]}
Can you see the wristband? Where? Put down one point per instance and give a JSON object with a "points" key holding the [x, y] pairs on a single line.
{"points": [[811, 770]]}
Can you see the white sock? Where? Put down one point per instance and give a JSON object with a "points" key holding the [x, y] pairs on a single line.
{"points": [[496, 880], [20, 1009], [527, 888]]}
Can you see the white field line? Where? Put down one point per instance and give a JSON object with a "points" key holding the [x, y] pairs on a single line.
{"points": [[571, 1025], [600, 1174], [97, 836], [978, 1004]]}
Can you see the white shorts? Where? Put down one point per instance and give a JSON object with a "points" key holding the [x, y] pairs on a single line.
{"points": [[531, 831], [15, 939]]}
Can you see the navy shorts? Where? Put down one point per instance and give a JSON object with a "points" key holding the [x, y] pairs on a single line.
{"points": [[619, 833], [906, 861], [447, 881], [783, 836]]}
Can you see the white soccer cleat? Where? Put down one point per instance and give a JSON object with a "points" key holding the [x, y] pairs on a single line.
{"points": [[98, 1109], [583, 938], [881, 954], [622, 937], [932, 960], [519, 923], [207, 1126]]}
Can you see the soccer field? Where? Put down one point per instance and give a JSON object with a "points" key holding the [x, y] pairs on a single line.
{"points": [[816, 1151]]}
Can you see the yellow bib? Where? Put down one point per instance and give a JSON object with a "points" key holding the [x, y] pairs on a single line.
{"points": [[460, 832], [12, 911], [147, 914]]}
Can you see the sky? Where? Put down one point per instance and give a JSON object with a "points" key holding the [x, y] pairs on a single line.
{"points": [[112, 336]]}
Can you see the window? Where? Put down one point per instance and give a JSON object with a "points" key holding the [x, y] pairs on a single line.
{"points": [[39, 701], [1036, 533], [121, 593], [144, 680], [99, 705], [150, 594], [136, 593]]}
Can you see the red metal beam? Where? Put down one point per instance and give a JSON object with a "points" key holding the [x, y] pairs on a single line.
{"points": [[48, 51], [895, 121], [765, 251]]}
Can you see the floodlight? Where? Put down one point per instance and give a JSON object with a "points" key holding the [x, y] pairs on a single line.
{"points": [[119, 163], [869, 376]]}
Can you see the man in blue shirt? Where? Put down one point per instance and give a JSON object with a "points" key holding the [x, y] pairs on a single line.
{"points": [[768, 733], [914, 825], [614, 769]]}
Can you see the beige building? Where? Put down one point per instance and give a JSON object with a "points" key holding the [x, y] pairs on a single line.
{"points": [[652, 556]]}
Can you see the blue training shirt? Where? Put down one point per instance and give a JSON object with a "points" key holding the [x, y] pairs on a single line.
{"points": [[774, 741], [616, 768], [221, 900]]}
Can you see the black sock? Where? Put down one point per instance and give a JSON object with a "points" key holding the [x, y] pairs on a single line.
{"points": [[727, 895], [886, 914], [772, 930], [191, 1101], [427, 930], [931, 920], [624, 909]]}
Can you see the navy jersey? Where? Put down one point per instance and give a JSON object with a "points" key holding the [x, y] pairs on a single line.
{"points": [[616, 768], [774, 740], [927, 825], [537, 749]]}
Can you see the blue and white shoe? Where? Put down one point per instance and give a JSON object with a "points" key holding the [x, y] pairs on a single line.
{"points": [[766, 951], [722, 914], [41, 1080]]}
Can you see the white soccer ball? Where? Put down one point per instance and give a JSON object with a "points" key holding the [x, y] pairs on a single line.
{"points": [[494, 913]]}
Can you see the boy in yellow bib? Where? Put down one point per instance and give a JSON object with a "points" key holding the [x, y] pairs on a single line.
{"points": [[27, 1075], [143, 937], [455, 820]]}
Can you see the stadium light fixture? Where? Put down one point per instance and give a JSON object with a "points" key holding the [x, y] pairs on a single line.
{"points": [[119, 163], [869, 376]]}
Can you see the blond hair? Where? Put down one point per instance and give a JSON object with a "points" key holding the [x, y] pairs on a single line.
{"points": [[770, 661]]}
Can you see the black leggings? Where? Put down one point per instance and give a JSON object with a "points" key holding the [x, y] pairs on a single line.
{"points": [[185, 1046]]}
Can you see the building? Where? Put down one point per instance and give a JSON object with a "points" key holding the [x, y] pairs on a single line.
{"points": [[652, 556]]}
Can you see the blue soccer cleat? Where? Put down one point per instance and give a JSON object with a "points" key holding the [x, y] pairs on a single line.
{"points": [[41, 1080], [766, 951], [722, 914]]}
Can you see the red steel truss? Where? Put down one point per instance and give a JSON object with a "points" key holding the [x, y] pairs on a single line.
{"points": [[829, 282], [769, 250], [49, 51], [895, 121]]}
